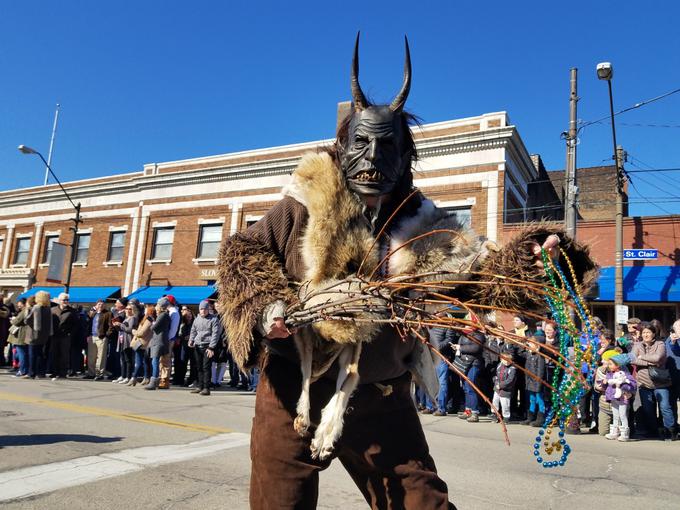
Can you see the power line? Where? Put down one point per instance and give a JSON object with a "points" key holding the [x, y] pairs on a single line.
{"points": [[634, 107]]}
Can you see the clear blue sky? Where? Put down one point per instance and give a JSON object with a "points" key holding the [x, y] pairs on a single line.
{"points": [[149, 81]]}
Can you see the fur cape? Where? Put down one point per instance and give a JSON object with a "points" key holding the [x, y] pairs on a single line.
{"points": [[338, 237]]}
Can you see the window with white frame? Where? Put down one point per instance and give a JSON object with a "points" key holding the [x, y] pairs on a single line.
{"points": [[209, 241], [82, 248], [116, 246], [23, 246], [47, 252], [163, 238], [462, 214]]}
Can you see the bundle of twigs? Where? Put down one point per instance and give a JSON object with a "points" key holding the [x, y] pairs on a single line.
{"points": [[414, 303]]}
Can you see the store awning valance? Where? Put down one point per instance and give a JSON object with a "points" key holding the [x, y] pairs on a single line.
{"points": [[77, 294], [184, 294], [654, 284]]}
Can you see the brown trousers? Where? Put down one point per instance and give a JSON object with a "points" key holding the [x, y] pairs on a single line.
{"points": [[383, 447]]}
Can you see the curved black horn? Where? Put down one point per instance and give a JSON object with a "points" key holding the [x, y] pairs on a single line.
{"points": [[357, 95], [400, 100]]}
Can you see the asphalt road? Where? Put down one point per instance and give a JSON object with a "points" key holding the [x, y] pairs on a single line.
{"points": [[82, 444]]}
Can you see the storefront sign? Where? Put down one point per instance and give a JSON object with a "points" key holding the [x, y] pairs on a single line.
{"points": [[621, 312], [640, 254], [208, 274], [55, 272]]}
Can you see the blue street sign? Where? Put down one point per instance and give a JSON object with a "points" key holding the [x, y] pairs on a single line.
{"points": [[636, 254]]}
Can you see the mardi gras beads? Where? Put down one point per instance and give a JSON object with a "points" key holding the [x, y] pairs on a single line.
{"points": [[551, 451]]}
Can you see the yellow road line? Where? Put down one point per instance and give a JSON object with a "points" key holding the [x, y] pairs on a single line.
{"points": [[98, 411]]}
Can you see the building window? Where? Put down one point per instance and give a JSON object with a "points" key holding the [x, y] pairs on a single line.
{"points": [[82, 248], [21, 252], [116, 245], [462, 214], [162, 243], [209, 241], [49, 242]]}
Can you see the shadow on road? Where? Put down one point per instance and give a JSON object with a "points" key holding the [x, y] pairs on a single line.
{"points": [[38, 439]]}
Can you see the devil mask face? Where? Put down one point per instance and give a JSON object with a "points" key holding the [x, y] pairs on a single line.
{"points": [[377, 153]]}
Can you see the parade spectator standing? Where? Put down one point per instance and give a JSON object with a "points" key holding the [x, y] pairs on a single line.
{"points": [[519, 402], [620, 388], [204, 338], [18, 332], [125, 334], [182, 353], [534, 364], [66, 324], [160, 341], [443, 340], [469, 361], [5, 314], [673, 366], [39, 318], [653, 379], [604, 415], [78, 344], [504, 384], [140, 343], [113, 361], [166, 358], [97, 342]]}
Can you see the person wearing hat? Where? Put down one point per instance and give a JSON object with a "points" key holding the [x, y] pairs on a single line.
{"points": [[620, 386], [160, 341], [205, 333], [535, 364]]}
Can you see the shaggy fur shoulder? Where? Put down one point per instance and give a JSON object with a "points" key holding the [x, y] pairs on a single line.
{"points": [[336, 240], [249, 277], [516, 260]]}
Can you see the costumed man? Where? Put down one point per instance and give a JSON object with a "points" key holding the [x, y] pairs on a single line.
{"points": [[337, 202]]}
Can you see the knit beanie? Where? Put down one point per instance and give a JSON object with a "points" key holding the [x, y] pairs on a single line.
{"points": [[204, 304], [609, 354], [163, 302]]}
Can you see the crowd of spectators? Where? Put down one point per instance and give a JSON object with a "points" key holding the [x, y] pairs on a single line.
{"points": [[152, 345], [635, 390]]}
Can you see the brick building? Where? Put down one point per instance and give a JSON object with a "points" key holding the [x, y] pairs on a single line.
{"points": [[157, 230]]}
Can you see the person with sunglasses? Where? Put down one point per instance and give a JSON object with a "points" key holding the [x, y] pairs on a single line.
{"points": [[65, 325]]}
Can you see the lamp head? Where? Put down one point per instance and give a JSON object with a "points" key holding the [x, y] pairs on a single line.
{"points": [[605, 71], [26, 150]]}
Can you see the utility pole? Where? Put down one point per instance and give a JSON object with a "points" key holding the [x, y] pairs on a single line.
{"points": [[571, 190], [49, 153], [620, 157], [76, 221]]}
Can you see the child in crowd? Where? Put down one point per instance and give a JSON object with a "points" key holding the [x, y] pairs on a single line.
{"points": [[535, 364], [504, 383], [620, 387]]}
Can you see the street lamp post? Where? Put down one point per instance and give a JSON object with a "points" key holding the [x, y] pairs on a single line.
{"points": [[77, 221], [605, 71]]}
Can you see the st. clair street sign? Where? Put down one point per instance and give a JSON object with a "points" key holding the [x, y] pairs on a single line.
{"points": [[637, 254]]}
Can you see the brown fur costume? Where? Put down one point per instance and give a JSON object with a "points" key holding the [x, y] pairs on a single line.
{"points": [[336, 240]]}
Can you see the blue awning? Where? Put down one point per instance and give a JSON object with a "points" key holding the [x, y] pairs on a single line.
{"points": [[655, 284], [77, 294], [184, 294]]}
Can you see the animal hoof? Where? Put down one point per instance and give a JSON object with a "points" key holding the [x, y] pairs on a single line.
{"points": [[301, 425]]}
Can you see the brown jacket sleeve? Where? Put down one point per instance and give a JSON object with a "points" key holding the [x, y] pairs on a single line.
{"points": [[256, 268]]}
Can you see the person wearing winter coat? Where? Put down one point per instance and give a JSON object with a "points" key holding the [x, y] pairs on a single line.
{"points": [[39, 318], [204, 337], [66, 324], [469, 361], [18, 336], [673, 366], [654, 381], [125, 335], [160, 341], [442, 339], [534, 364], [139, 344], [504, 383], [620, 388]]}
